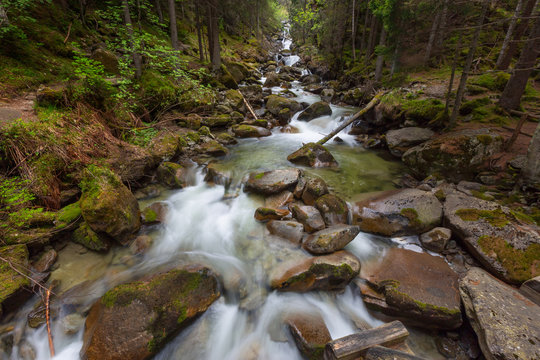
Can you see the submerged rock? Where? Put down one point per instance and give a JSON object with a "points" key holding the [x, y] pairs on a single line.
{"points": [[401, 140], [279, 200], [134, 321], [328, 272], [15, 288], [290, 230], [330, 239], [417, 288], [507, 324], [172, 175], [45, 261], [399, 212], [506, 242], [310, 334], [88, 238], [315, 110], [249, 131], [272, 182], [308, 216], [333, 209], [313, 155]]}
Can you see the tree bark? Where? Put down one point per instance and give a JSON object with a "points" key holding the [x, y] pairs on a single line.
{"points": [[173, 25], [353, 31], [215, 50], [364, 31], [468, 63], [509, 33], [452, 75], [531, 171], [159, 11], [518, 34], [199, 32], [432, 35], [4, 20], [514, 89], [129, 25], [442, 26], [380, 57], [372, 37]]}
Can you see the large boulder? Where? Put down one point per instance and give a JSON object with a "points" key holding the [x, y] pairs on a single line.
{"points": [[282, 107], [506, 242], [15, 288], [313, 155], [272, 182], [272, 80], [235, 100], [314, 189], [331, 239], [328, 272], [108, 206], [417, 288], [134, 321], [238, 71], [401, 140], [172, 175], [165, 146], [249, 131], [318, 109], [333, 209], [399, 212], [531, 289], [507, 324], [456, 156]]}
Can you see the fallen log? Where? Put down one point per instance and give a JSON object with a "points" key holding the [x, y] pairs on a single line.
{"points": [[248, 106], [376, 99], [355, 346]]}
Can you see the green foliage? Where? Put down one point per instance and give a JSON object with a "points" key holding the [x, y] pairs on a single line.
{"points": [[140, 137], [14, 193], [491, 81], [469, 106]]}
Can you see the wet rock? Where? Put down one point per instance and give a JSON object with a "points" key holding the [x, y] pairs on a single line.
{"points": [[234, 99], [272, 80], [72, 323], [218, 174], [401, 140], [155, 213], [418, 288], [282, 107], [266, 214], [226, 139], [248, 131], [172, 175], [213, 148], [308, 216], [272, 182], [436, 239], [311, 79], [108, 206], [531, 289], [507, 324], [141, 244], [135, 320], [290, 230], [333, 209], [506, 242], [149, 192], [399, 212], [300, 186], [310, 334], [313, 155], [328, 95], [88, 238], [456, 156], [315, 110], [331, 239], [219, 121], [328, 272], [165, 146], [238, 71], [46, 261], [314, 189], [15, 288], [279, 200]]}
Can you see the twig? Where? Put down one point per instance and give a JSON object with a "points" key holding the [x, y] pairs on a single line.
{"points": [[22, 274], [48, 321], [69, 32], [248, 106]]}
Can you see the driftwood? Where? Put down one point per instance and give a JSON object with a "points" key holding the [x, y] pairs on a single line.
{"points": [[354, 346], [376, 99]]}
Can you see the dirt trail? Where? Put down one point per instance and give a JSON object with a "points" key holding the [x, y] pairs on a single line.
{"points": [[17, 108]]}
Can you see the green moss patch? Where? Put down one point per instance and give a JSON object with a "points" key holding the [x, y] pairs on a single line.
{"points": [[496, 218], [10, 280]]}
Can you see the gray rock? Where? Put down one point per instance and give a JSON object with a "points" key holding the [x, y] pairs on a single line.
{"points": [[315, 188], [46, 261], [308, 216], [272, 79], [290, 230], [249, 131], [272, 182], [401, 140], [315, 110], [531, 289], [507, 324], [334, 210], [436, 239], [331, 239], [328, 95]]}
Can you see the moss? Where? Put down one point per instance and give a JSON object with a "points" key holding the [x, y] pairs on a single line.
{"points": [[259, 176], [204, 131], [520, 216], [157, 91], [193, 136], [469, 106], [67, 215], [412, 215], [480, 195], [423, 110], [439, 194], [485, 139], [85, 236], [521, 265], [10, 280], [149, 215], [491, 81], [496, 217]]}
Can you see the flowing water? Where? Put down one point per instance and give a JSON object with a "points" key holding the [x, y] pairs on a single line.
{"points": [[207, 227]]}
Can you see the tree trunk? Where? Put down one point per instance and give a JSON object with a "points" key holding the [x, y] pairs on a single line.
{"points": [[372, 37], [531, 171], [129, 25], [209, 30], [199, 32], [159, 11], [509, 33], [395, 61], [432, 35], [380, 57], [518, 34], [353, 31], [511, 96], [468, 63], [453, 74], [82, 10], [442, 26], [173, 25], [215, 50], [4, 20], [364, 31]]}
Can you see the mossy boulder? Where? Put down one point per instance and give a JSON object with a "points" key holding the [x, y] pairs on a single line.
{"points": [[326, 273], [218, 121], [249, 131], [172, 175], [333, 209], [314, 189], [226, 139], [226, 78], [108, 206], [506, 242], [282, 107], [51, 96], [308, 216], [318, 109], [272, 80], [67, 215], [213, 148], [238, 71], [456, 156], [313, 155], [266, 214], [235, 100], [165, 146], [331, 239], [398, 213], [108, 59], [272, 182], [155, 213], [14, 287], [88, 238], [416, 288], [135, 320]]}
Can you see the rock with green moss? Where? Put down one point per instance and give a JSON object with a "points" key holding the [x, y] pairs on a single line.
{"points": [[310, 334], [249, 131], [331, 239], [456, 156], [67, 215], [398, 213], [226, 78], [436, 239], [235, 100], [308, 216], [265, 214], [204, 131], [272, 79], [14, 287], [218, 174], [318, 109], [213, 148], [417, 288], [88, 238], [165, 146], [314, 189], [226, 139], [272, 182], [507, 324], [333, 209], [108, 206], [238, 71], [149, 313], [505, 241], [155, 213], [401, 140], [313, 155], [51, 96], [218, 121], [172, 175], [326, 273], [275, 104]]}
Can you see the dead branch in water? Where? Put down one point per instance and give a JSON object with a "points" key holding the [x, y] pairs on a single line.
{"points": [[48, 321]]}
